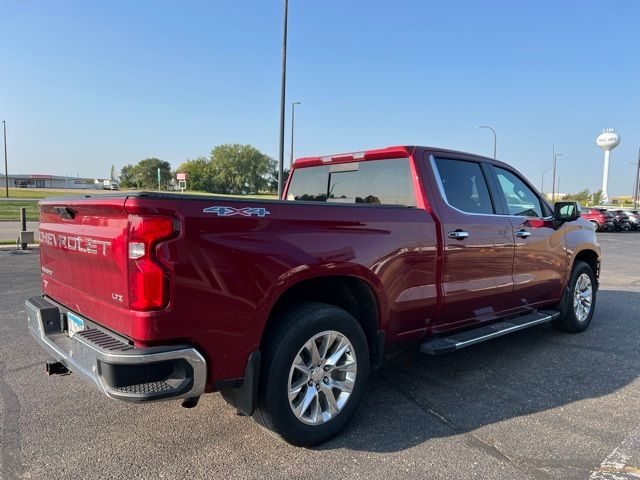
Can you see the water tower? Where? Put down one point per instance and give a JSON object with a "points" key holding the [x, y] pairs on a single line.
{"points": [[607, 140]]}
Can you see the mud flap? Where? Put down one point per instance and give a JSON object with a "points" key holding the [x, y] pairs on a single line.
{"points": [[243, 398]]}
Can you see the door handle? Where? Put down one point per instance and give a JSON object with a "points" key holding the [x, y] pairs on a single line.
{"points": [[523, 233], [458, 234]]}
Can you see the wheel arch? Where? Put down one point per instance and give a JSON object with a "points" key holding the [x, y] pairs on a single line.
{"points": [[591, 258], [351, 293]]}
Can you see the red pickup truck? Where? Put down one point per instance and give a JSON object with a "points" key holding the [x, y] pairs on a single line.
{"points": [[284, 305]]}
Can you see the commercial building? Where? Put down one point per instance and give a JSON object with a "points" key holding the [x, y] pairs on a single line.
{"points": [[46, 181]]}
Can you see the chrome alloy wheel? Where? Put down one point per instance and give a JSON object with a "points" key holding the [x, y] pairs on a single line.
{"points": [[322, 377], [582, 297]]}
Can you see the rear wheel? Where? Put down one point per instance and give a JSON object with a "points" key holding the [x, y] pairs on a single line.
{"points": [[579, 300], [314, 373], [595, 224]]}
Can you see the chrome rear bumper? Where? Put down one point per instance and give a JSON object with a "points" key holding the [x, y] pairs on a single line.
{"points": [[117, 368]]}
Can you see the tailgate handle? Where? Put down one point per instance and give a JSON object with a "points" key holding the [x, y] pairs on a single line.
{"points": [[65, 212]]}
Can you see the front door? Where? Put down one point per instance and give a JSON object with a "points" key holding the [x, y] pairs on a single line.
{"points": [[540, 251], [478, 245]]}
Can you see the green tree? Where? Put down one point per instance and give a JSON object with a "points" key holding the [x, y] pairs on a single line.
{"points": [[146, 173], [231, 168], [126, 177], [596, 198], [200, 175], [112, 176], [583, 196], [273, 177], [240, 168]]}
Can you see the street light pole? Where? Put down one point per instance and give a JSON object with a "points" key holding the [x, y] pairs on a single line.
{"points": [[553, 194], [637, 192], [293, 116], [542, 182], [283, 83], [6, 171], [495, 138], [636, 182]]}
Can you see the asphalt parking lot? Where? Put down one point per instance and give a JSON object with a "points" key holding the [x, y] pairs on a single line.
{"points": [[535, 404]]}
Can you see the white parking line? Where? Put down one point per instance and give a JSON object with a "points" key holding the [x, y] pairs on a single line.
{"points": [[615, 466]]}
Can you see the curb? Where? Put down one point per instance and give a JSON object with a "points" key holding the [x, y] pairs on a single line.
{"points": [[30, 246]]}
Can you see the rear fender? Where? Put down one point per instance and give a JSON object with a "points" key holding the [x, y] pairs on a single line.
{"points": [[304, 272]]}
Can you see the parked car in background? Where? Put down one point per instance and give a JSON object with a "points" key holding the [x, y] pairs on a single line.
{"points": [[621, 221], [601, 218], [106, 184], [634, 219]]}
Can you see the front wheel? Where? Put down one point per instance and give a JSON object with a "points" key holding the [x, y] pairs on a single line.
{"points": [[314, 373], [579, 300]]}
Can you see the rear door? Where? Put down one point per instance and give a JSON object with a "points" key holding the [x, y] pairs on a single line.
{"points": [[540, 260], [478, 243]]}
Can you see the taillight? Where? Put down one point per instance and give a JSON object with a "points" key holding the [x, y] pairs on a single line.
{"points": [[148, 278]]}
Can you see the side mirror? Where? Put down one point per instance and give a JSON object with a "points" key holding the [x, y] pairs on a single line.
{"points": [[566, 211]]}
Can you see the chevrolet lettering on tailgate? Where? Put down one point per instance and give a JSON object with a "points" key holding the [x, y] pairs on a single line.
{"points": [[77, 244]]}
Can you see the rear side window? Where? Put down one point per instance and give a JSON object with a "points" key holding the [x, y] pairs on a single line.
{"points": [[464, 185], [377, 182], [309, 184]]}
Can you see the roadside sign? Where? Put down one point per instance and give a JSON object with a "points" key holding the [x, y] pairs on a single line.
{"points": [[182, 185], [181, 176], [158, 174]]}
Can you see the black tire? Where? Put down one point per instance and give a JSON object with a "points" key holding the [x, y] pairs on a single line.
{"points": [[281, 345], [596, 224], [568, 321]]}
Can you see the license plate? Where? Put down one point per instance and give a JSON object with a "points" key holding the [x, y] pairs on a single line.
{"points": [[74, 324]]}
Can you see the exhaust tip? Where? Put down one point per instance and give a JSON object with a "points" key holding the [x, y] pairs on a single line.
{"points": [[190, 402], [56, 368]]}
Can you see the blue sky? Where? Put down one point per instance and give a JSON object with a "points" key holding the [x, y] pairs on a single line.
{"points": [[84, 85]]}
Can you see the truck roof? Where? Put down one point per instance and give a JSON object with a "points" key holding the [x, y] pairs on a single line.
{"points": [[398, 151]]}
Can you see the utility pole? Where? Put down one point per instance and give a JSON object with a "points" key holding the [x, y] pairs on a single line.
{"points": [[555, 157], [293, 122], [542, 182], [553, 180], [6, 171], [283, 83], [636, 188], [495, 138]]}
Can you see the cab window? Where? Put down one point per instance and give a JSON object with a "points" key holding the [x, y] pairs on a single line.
{"points": [[519, 198], [374, 182], [464, 186]]}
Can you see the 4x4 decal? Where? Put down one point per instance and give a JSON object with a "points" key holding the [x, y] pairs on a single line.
{"points": [[230, 211]]}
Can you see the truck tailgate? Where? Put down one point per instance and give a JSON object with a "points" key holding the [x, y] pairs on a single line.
{"points": [[83, 255]]}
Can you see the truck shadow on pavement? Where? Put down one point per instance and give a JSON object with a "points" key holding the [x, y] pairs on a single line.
{"points": [[414, 397]]}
